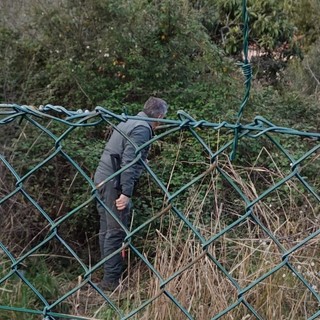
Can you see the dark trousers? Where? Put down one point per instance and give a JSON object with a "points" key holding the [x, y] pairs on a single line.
{"points": [[111, 234]]}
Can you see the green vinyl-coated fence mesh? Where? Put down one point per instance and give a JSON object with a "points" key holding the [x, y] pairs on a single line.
{"points": [[260, 127], [305, 285]]}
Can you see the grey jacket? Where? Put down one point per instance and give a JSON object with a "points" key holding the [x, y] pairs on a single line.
{"points": [[119, 149]]}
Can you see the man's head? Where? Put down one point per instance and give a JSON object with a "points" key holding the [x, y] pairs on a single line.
{"points": [[155, 108]]}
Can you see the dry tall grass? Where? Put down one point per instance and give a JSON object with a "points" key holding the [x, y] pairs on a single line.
{"points": [[246, 252]]}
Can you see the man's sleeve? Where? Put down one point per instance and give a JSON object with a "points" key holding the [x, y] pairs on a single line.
{"points": [[139, 136]]}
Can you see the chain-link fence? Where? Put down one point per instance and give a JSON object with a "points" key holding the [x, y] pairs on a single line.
{"points": [[286, 259]]}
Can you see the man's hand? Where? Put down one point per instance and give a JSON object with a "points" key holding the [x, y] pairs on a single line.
{"points": [[122, 202]]}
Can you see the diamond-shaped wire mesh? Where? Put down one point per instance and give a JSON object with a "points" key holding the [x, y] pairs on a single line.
{"points": [[232, 244]]}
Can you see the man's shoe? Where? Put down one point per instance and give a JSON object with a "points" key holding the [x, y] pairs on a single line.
{"points": [[114, 290], [107, 286]]}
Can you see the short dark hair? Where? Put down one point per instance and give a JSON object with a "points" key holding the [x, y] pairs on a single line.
{"points": [[155, 107]]}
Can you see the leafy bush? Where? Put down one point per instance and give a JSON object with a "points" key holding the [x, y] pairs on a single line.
{"points": [[270, 25], [99, 53]]}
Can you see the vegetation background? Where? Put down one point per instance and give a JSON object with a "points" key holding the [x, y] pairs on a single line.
{"points": [[115, 54]]}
